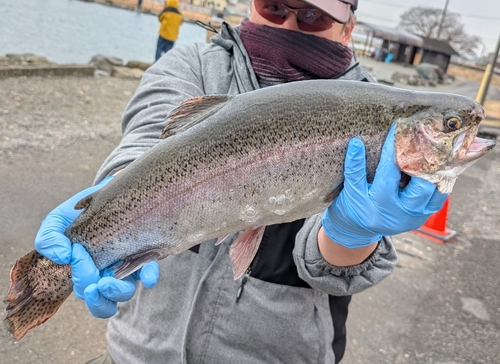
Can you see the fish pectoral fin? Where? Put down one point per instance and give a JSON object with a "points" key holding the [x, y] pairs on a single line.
{"points": [[135, 262], [334, 193], [191, 112], [85, 202], [244, 248], [38, 288]]}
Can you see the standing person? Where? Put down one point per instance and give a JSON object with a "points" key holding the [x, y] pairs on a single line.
{"points": [[170, 22], [139, 4], [291, 305]]}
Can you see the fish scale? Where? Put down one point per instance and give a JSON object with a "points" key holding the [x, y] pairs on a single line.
{"points": [[232, 164]]}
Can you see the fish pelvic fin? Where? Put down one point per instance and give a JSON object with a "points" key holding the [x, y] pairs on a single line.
{"points": [[135, 262], [244, 248], [191, 112], [38, 288]]}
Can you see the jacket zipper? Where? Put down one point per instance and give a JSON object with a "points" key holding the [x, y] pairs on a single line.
{"points": [[243, 282]]}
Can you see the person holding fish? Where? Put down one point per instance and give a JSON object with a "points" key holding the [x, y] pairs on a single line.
{"points": [[290, 302]]}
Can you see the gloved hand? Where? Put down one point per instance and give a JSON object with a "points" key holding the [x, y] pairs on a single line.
{"points": [[100, 291], [362, 213]]}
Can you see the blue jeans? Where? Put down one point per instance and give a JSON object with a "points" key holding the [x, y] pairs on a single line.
{"points": [[163, 47]]}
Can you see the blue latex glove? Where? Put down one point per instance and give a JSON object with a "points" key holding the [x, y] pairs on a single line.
{"points": [[100, 291], [363, 212]]}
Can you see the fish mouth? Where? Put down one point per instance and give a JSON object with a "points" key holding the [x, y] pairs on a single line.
{"points": [[477, 148], [468, 147]]}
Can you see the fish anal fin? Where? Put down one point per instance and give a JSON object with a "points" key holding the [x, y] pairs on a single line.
{"points": [[220, 240], [134, 262], [244, 248], [38, 288], [191, 112]]}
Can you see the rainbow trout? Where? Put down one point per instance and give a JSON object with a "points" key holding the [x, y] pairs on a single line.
{"points": [[239, 163]]}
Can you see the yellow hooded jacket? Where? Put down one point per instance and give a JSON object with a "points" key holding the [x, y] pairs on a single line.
{"points": [[171, 20]]}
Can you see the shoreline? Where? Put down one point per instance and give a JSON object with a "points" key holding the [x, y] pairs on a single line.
{"points": [[191, 13]]}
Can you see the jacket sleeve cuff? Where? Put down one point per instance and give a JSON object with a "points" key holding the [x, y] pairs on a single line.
{"points": [[334, 280]]}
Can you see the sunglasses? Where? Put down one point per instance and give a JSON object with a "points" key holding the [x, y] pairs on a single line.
{"points": [[308, 20]]}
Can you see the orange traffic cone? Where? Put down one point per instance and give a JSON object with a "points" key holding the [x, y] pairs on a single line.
{"points": [[435, 227]]}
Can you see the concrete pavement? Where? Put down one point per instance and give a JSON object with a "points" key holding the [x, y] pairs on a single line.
{"points": [[441, 305]]}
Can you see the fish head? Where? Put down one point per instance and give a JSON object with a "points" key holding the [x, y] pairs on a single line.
{"points": [[440, 141]]}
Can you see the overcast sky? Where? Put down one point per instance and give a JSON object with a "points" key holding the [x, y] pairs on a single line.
{"points": [[480, 17]]}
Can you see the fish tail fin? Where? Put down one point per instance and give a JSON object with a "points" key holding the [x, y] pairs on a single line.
{"points": [[244, 248], [37, 290]]}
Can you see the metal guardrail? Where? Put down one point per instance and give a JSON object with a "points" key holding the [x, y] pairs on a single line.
{"points": [[195, 9]]}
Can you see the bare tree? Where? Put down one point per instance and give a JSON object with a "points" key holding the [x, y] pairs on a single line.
{"points": [[425, 21]]}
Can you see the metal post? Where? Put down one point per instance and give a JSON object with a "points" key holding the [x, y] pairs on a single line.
{"points": [[366, 43], [488, 73], [442, 19]]}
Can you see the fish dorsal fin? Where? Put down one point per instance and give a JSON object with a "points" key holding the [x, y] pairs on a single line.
{"points": [[191, 112], [244, 248]]}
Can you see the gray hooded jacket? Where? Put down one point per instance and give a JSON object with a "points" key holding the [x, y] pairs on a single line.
{"points": [[191, 315]]}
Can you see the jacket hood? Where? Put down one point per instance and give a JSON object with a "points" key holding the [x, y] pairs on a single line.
{"points": [[228, 37], [172, 3]]}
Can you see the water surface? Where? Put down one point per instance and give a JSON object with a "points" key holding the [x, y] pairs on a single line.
{"points": [[72, 31]]}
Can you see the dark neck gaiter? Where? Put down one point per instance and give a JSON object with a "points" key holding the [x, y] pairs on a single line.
{"points": [[282, 55]]}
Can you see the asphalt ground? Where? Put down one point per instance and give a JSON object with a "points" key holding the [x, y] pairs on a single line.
{"points": [[441, 305]]}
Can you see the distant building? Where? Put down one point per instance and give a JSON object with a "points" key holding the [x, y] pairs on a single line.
{"points": [[489, 59], [219, 5], [437, 52], [241, 9], [403, 46]]}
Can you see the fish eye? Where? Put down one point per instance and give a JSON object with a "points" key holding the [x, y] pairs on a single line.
{"points": [[453, 123]]}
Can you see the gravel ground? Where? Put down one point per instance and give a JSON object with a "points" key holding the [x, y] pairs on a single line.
{"points": [[440, 306], [40, 114], [54, 134]]}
